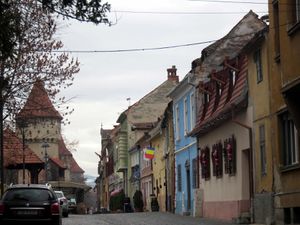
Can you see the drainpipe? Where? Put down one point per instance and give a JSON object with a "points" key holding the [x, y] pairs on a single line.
{"points": [[251, 173]]}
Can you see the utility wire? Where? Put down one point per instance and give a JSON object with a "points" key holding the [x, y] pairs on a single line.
{"points": [[134, 49], [241, 2], [236, 2], [182, 13], [148, 49], [158, 48]]}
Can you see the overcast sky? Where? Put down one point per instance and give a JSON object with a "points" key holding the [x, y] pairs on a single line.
{"points": [[106, 80]]}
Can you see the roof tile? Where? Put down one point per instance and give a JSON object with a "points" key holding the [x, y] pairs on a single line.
{"points": [[38, 104]]}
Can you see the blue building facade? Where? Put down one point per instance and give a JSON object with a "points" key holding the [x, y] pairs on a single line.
{"points": [[186, 163]]}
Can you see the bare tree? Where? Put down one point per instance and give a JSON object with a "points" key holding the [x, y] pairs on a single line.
{"points": [[86, 11], [34, 57], [93, 11]]}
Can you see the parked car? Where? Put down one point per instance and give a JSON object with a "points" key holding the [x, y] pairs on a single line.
{"points": [[65, 207], [30, 204], [72, 205]]}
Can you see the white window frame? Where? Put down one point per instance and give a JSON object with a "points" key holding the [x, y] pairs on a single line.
{"points": [[192, 110], [177, 122], [185, 116]]}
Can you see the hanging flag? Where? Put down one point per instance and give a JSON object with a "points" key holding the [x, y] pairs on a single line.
{"points": [[148, 153]]}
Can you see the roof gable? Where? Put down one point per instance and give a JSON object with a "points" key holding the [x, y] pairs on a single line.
{"points": [[153, 105], [230, 45], [232, 97], [13, 150]]}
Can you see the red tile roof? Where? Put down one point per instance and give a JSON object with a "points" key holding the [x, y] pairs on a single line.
{"points": [[39, 104], [232, 98], [13, 151], [62, 147], [58, 162], [75, 168], [63, 150]]}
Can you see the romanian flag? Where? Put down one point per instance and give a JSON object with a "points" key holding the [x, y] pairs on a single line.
{"points": [[149, 153]]}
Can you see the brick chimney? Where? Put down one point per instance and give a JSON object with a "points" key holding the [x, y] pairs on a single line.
{"points": [[172, 74]]}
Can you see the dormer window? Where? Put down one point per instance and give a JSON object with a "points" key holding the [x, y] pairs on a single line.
{"points": [[233, 77], [219, 89], [206, 97]]}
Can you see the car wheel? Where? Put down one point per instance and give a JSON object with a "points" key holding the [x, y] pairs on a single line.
{"points": [[65, 214], [57, 221]]}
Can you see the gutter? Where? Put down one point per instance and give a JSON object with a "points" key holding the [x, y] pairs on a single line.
{"points": [[251, 173]]}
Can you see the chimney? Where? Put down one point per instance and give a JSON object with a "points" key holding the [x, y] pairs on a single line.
{"points": [[172, 74]]}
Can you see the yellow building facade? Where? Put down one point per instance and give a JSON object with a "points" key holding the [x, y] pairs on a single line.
{"points": [[259, 100], [285, 108], [157, 141]]}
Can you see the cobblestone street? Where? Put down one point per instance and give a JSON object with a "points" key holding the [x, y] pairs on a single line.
{"points": [[151, 218]]}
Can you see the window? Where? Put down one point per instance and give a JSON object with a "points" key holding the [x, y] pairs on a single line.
{"points": [[179, 181], [206, 98], [195, 173], [185, 116], [257, 60], [205, 163], [292, 215], [193, 111], [29, 194], [217, 159], [297, 11], [219, 89], [289, 140], [293, 18], [177, 122], [262, 147], [276, 30], [233, 77]]}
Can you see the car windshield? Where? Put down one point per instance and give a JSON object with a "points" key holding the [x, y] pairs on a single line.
{"points": [[28, 194], [59, 195]]}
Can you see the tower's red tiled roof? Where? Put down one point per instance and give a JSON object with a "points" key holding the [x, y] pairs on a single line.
{"points": [[58, 162], [62, 147], [75, 168], [63, 150], [38, 104], [13, 151]]}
